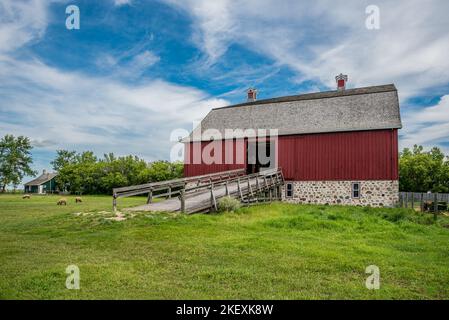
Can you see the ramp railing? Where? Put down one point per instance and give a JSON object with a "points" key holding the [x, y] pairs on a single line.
{"points": [[256, 187], [171, 188], [202, 192]]}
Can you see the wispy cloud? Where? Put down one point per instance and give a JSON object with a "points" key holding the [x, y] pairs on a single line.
{"points": [[427, 126], [21, 22], [320, 39], [121, 2], [69, 109], [323, 38]]}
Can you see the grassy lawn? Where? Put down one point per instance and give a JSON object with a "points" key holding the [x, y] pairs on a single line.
{"points": [[276, 251]]}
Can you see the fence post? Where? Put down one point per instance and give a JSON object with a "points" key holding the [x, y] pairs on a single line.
{"points": [[226, 187], [150, 197], [114, 202], [213, 202], [169, 192], [435, 206], [406, 200], [183, 200], [250, 189], [413, 200], [239, 189], [422, 202]]}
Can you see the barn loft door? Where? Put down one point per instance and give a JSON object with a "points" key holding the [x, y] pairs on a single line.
{"points": [[260, 156]]}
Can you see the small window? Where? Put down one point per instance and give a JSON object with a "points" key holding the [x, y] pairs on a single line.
{"points": [[356, 190], [289, 190]]}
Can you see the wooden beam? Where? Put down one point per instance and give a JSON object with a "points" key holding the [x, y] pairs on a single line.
{"points": [[150, 197], [182, 198], [114, 203], [212, 198]]}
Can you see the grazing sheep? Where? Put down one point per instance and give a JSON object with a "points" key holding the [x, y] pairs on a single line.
{"points": [[78, 199], [62, 202], [26, 196]]}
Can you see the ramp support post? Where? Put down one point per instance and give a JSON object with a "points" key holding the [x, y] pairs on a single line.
{"points": [[183, 200], [150, 197]]}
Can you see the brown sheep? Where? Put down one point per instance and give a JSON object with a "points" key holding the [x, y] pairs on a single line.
{"points": [[62, 201], [78, 199], [26, 196]]}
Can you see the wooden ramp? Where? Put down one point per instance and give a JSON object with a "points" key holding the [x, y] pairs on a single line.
{"points": [[202, 193]]}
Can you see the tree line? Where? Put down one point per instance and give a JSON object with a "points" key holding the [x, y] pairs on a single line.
{"points": [[423, 171], [84, 173], [419, 170]]}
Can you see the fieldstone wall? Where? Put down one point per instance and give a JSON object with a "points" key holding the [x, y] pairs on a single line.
{"points": [[375, 193]]}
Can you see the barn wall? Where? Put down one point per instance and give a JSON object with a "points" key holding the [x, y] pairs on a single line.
{"points": [[361, 155], [375, 193], [192, 169]]}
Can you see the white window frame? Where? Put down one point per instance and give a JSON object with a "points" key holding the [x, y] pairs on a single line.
{"points": [[286, 190], [359, 185]]}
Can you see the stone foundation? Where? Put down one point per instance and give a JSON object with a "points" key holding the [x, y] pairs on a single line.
{"points": [[375, 193]]}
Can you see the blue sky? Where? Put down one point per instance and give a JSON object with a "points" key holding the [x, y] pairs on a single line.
{"points": [[138, 69]]}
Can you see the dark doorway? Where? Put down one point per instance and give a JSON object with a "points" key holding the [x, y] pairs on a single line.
{"points": [[260, 155]]}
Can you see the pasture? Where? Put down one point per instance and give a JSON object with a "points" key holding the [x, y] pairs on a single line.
{"points": [[272, 251]]}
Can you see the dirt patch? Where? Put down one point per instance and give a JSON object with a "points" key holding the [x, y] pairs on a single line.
{"points": [[107, 215], [118, 217]]}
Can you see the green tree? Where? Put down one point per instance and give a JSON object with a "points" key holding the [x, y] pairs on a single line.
{"points": [[421, 171], [15, 160], [85, 173], [63, 158]]}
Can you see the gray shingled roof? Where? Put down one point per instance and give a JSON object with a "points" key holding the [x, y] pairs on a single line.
{"points": [[369, 108], [43, 178]]}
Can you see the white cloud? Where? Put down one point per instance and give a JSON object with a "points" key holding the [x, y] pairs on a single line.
{"points": [[21, 22], [320, 39], [127, 65], [75, 110], [60, 109], [427, 126], [121, 2]]}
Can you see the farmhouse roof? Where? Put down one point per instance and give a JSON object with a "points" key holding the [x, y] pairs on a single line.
{"points": [[43, 178], [368, 108]]}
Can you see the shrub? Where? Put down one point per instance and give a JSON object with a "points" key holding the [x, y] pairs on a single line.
{"points": [[228, 204]]}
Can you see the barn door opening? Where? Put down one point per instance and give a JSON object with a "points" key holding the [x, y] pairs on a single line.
{"points": [[260, 156]]}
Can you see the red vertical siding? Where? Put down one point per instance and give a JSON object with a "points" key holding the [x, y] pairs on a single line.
{"points": [[364, 155], [192, 169], [361, 155]]}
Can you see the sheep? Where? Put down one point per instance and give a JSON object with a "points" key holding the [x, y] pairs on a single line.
{"points": [[78, 199], [26, 196], [62, 201]]}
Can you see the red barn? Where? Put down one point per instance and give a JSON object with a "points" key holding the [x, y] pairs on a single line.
{"points": [[335, 147]]}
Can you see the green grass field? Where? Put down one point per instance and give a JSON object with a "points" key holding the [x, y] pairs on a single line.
{"points": [[276, 251]]}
